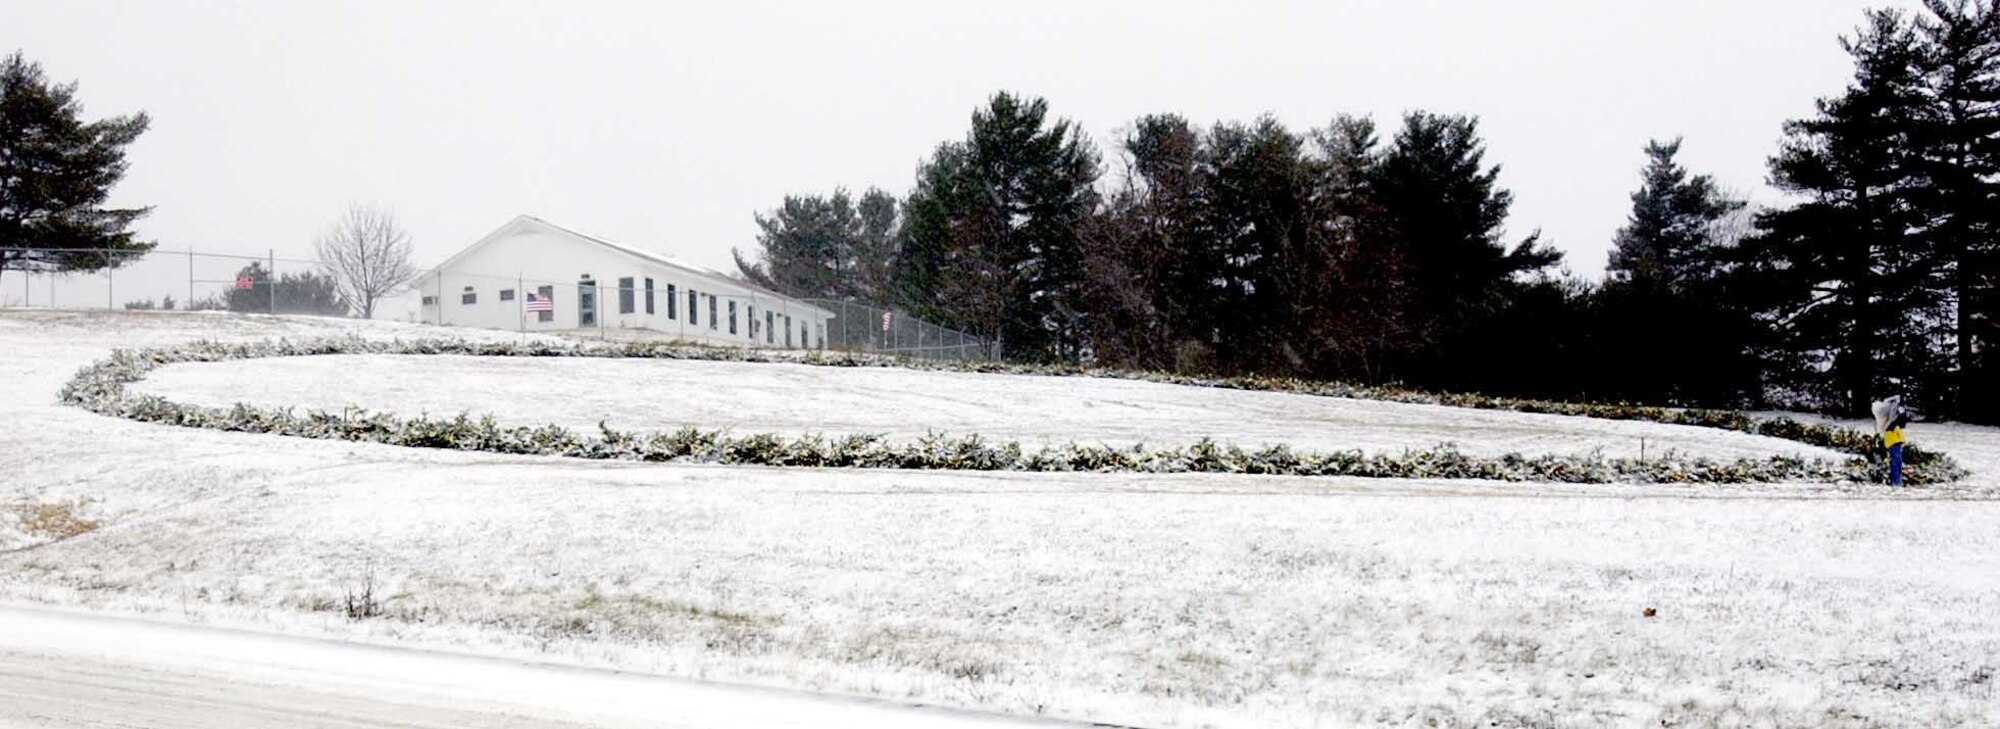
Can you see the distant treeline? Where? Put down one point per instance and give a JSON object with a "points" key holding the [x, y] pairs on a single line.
{"points": [[1332, 252]]}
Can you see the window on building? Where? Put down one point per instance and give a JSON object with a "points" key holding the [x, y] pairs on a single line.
{"points": [[711, 313], [770, 334], [732, 317], [586, 302], [469, 297], [671, 299], [788, 331], [628, 300], [649, 296], [506, 294], [430, 301], [694, 307], [752, 318], [548, 294]]}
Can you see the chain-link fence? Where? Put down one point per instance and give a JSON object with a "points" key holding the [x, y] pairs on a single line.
{"points": [[857, 327], [158, 279]]}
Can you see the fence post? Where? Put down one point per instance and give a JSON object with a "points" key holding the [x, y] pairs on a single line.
{"points": [[272, 275], [190, 301], [520, 301], [110, 285]]}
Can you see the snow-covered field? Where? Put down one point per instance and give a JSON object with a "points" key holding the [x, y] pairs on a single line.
{"points": [[794, 399], [1185, 600]]}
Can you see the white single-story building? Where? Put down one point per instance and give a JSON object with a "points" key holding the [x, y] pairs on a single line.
{"points": [[532, 275]]}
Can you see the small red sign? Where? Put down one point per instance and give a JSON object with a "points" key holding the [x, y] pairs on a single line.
{"points": [[245, 283]]}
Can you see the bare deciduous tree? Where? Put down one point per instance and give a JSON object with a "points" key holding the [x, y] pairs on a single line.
{"points": [[368, 256]]}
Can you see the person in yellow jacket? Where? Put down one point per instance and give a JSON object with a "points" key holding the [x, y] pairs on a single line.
{"points": [[1890, 418], [1893, 439]]}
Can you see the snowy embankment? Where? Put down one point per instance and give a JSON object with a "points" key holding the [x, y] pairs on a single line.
{"points": [[797, 399], [1184, 600]]}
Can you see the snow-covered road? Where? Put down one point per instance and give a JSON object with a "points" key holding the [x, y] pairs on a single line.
{"points": [[62, 669]]}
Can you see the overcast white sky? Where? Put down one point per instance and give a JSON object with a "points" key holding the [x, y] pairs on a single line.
{"points": [[666, 126]]}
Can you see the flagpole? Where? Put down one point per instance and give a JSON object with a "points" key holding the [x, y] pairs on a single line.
{"points": [[521, 302]]}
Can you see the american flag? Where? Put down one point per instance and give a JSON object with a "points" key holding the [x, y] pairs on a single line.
{"points": [[538, 302]]}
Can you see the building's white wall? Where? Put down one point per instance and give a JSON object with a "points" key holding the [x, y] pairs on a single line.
{"points": [[531, 258]]}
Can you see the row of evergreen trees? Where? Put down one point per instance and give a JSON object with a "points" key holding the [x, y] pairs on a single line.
{"points": [[1336, 252], [1882, 279]]}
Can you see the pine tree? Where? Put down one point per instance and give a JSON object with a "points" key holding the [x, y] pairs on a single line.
{"points": [[1663, 323], [305, 293], [1443, 212], [1364, 318], [1961, 162], [1247, 248], [1261, 218], [825, 247], [872, 272], [992, 239], [257, 298], [1841, 276], [1667, 239], [56, 172], [311, 294]]}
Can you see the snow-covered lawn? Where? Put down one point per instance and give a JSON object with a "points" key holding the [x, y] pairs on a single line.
{"points": [[1186, 600], [795, 399]]}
